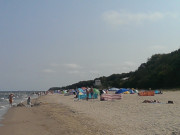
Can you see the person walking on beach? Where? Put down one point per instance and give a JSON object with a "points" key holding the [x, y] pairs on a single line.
{"points": [[11, 99]]}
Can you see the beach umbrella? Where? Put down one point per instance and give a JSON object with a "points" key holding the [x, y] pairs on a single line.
{"points": [[122, 90], [131, 91], [96, 91]]}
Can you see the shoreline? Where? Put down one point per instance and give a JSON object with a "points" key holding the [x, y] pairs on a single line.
{"points": [[20, 97], [48, 118], [5, 110], [63, 114], [3, 114]]}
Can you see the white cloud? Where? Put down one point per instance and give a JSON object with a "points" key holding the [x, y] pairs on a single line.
{"points": [[48, 71], [72, 66], [123, 18]]}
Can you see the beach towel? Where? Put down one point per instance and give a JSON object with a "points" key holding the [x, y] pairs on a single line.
{"points": [[146, 93], [111, 97]]}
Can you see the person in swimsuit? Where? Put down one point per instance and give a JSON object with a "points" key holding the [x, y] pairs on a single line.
{"points": [[11, 99]]}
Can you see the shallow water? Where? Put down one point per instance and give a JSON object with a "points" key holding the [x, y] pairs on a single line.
{"points": [[19, 96]]}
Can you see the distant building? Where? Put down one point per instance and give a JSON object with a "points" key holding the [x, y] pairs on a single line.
{"points": [[97, 83], [125, 78]]}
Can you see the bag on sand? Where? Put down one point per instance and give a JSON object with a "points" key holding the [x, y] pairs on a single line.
{"points": [[170, 102]]}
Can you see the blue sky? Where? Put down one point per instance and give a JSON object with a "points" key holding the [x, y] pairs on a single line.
{"points": [[47, 43]]}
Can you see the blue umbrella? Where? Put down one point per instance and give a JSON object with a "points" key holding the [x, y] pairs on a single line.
{"points": [[121, 91]]}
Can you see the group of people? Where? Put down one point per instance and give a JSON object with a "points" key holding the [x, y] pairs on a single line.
{"points": [[89, 91], [11, 100]]}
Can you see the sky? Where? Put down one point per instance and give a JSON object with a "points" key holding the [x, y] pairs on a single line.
{"points": [[55, 43]]}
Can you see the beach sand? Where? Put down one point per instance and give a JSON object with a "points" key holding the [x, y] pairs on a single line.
{"points": [[64, 115]]}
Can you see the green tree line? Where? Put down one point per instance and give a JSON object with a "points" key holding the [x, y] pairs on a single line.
{"points": [[160, 71]]}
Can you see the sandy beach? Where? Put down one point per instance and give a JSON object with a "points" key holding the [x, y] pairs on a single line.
{"points": [[64, 115]]}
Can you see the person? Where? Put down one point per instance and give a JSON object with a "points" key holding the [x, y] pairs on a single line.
{"points": [[77, 93], [29, 101], [87, 94], [74, 92], [92, 93], [106, 91], [148, 101], [11, 99], [151, 101], [101, 92], [156, 101]]}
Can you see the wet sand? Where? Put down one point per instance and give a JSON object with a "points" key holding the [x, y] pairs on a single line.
{"points": [[58, 114]]}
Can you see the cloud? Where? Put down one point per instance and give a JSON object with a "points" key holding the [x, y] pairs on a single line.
{"points": [[72, 66], [55, 65], [124, 18], [48, 71]]}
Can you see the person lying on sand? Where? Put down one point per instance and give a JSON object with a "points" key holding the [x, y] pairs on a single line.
{"points": [[151, 101]]}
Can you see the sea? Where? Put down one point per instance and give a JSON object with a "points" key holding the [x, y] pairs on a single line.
{"points": [[19, 96]]}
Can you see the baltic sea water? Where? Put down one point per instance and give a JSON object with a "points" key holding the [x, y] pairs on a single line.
{"points": [[19, 96]]}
